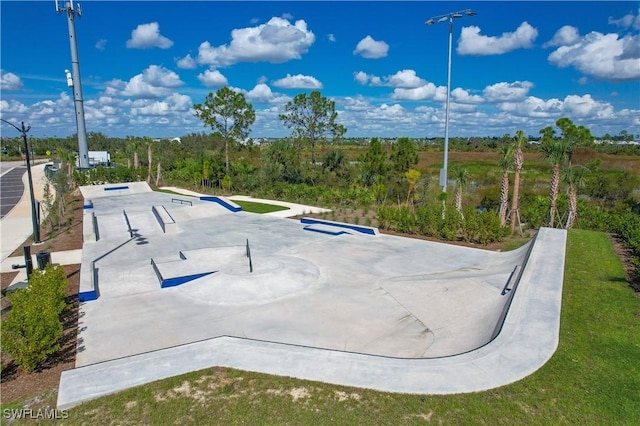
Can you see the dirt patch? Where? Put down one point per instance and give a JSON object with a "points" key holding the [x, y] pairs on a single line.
{"points": [[7, 278], [68, 236]]}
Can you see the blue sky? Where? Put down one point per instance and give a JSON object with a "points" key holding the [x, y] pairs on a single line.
{"points": [[516, 65]]}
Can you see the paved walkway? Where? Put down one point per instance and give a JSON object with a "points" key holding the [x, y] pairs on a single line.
{"points": [[16, 227]]}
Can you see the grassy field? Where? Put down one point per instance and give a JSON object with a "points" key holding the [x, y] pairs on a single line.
{"points": [[593, 378]]}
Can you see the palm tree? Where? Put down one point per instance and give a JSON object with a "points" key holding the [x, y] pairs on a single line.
{"points": [[556, 152], [149, 143], [574, 177], [461, 175], [518, 161], [505, 162], [133, 149]]}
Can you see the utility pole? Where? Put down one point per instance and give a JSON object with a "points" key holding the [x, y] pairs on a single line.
{"points": [[74, 82]]}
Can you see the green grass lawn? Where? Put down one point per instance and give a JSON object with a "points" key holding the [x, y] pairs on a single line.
{"points": [[592, 379], [253, 207]]}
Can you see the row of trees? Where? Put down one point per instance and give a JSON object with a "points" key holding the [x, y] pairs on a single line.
{"points": [[312, 118], [559, 152], [388, 170]]}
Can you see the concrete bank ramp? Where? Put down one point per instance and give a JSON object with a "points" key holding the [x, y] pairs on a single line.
{"points": [[197, 263]]}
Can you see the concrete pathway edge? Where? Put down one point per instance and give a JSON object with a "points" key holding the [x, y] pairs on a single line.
{"points": [[528, 339]]}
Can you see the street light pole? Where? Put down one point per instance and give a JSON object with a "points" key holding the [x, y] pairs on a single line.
{"points": [[34, 213], [436, 19]]}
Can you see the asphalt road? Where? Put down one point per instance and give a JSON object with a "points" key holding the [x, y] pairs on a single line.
{"points": [[11, 187]]}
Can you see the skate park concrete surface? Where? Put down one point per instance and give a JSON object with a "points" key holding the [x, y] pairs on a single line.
{"points": [[374, 311]]}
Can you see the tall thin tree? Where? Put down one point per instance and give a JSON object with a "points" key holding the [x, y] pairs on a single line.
{"points": [[229, 113], [461, 175], [574, 178], [313, 118], [149, 144], [506, 163], [556, 153], [518, 162]]}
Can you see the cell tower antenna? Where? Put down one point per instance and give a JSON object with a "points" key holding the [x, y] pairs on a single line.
{"points": [[75, 83]]}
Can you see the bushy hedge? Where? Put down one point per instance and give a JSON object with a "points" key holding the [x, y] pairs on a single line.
{"points": [[480, 227], [321, 195], [102, 175], [33, 328]]}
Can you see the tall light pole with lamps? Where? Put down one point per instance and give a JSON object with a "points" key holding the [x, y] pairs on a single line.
{"points": [[34, 212], [436, 19]]}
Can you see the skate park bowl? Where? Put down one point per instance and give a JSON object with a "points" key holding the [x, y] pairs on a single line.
{"points": [[340, 305]]}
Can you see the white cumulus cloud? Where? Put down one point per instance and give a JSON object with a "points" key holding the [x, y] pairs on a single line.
{"points": [[154, 82], [298, 81], [371, 49], [9, 81], [364, 79], [627, 21], [533, 107], [172, 104], [605, 56], [507, 92], [147, 36], [471, 42], [213, 78], [428, 91], [406, 79], [565, 36], [187, 63], [263, 94], [586, 106], [463, 96], [277, 41], [12, 106]]}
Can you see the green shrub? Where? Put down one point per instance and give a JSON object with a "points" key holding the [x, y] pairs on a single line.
{"points": [[33, 329]]}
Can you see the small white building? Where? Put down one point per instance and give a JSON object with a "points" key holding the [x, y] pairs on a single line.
{"points": [[99, 158]]}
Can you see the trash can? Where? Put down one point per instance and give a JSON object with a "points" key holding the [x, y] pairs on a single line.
{"points": [[43, 257]]}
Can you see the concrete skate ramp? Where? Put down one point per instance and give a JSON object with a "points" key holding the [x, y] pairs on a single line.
{"points": [[313, 297], [91, 192], [198, 263]]}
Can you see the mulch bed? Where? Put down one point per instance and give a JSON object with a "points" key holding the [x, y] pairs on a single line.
{"points": [[17, 385]]}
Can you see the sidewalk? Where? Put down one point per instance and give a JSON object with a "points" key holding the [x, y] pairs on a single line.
{"points": [[16, 227]]}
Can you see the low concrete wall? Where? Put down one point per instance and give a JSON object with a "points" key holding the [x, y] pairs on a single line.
{"points": [[167, 223], [88, 282], [89, 227]]}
